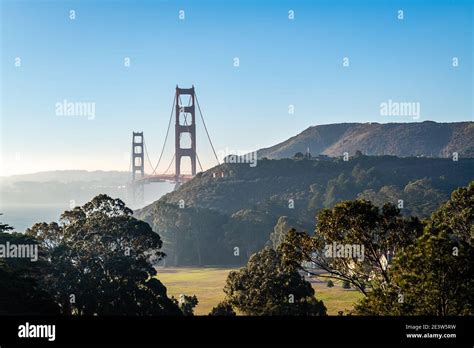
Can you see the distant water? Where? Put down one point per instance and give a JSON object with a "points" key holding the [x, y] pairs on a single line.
{"points": [[26, 215]]}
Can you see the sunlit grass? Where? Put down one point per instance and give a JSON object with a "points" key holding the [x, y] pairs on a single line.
{"points": [[207, 285], [336, 298]]}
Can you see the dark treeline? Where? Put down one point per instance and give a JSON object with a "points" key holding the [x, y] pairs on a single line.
{"points": [[98, 260]]}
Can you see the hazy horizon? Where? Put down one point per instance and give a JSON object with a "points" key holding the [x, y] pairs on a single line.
{"points": [[127, 171]]}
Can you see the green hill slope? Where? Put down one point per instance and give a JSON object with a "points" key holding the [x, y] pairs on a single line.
{"points": [[223, 220]]}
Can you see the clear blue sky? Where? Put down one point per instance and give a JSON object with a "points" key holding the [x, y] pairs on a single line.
{"points": [[282, 62]]}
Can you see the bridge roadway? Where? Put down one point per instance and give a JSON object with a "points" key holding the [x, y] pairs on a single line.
{"points": [[162, 178]]}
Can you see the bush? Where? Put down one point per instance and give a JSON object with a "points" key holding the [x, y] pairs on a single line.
{"points": [[187, 303], [223, 309], [267, 286]]}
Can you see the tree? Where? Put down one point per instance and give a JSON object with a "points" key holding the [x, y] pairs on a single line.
{"points": [[316, 201], [223, 309], [457, 214], [386, 194], [247, 230], [102, 261], [284, 224], [298, 155], [20, 292], [376, 234], [421, 198], [266, 286], [189, 236], [5, 227], [434, 275], [444, 287], [340, 188], [187, 303]]}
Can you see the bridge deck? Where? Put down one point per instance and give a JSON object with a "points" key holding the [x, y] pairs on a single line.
{"points": [[162, 178]]}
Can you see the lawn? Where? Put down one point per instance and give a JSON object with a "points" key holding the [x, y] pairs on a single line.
{"points": [[336, 298], [207, 284]]}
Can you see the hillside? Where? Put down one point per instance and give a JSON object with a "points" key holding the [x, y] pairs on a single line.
{"points": [[428, 139], [241, 209]]}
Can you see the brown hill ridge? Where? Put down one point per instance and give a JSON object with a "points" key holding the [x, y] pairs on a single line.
{"points": [[429, 139]]}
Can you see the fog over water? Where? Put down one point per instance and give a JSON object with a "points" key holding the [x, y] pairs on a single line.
{"points": [[43, 197]]}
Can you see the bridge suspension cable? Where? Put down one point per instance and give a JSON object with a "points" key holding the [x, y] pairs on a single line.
{"points": [[130, 166], [146, 153], [204, 123], [166, 137], [174, 156]]}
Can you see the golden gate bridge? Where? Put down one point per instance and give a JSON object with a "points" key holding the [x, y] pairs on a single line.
{"points": [[185, 123]]}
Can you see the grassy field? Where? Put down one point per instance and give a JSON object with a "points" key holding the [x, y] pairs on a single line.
{"points": [[336, 298], [207, 284]]}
